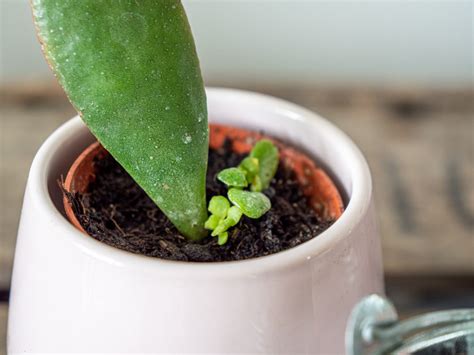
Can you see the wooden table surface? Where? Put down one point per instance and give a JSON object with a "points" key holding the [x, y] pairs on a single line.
{"points": [[420, 147]]}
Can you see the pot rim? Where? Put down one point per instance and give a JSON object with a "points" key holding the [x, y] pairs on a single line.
{"points": [[356, 208]]}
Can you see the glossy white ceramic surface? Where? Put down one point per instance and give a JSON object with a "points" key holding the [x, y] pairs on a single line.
{"points": [[71, 293]]}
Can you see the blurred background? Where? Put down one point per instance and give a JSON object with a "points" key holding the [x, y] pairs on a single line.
{"points": [[397, 76]]}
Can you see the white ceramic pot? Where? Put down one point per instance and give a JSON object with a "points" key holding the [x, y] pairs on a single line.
{"points": [[71, 293]]}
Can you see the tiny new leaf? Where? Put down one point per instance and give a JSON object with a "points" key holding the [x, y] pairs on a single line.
{"points": [[267, 155], [233, 177], [252, 204]]}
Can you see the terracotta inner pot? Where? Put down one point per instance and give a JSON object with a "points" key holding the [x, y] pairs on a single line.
{"points": [[317, 186]]}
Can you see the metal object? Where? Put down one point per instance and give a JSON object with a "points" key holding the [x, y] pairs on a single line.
{"points": [[374, 328]]}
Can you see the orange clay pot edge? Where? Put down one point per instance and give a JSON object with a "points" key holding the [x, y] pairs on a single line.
{"points": [[323, 194], [76, 179]]}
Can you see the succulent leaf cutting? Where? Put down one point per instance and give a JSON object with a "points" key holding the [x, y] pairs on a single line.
{"points": [[131, 70]]}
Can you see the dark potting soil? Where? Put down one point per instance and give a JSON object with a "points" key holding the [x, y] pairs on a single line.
{"points": [[117, 211]]}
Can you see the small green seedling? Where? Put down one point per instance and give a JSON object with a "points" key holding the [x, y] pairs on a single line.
{"points": [[256, 170], [223, 216]]}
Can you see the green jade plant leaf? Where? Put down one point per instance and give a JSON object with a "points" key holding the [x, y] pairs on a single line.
{"points": [[130, 69]]}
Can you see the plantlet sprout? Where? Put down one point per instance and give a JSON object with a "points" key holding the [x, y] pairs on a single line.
{"points": [[258, 169]]}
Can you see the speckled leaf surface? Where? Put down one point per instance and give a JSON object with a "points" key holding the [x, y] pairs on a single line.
{"points": [[130, 68]]}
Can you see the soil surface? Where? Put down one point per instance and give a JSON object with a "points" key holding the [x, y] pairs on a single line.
{"points": [[117, 211]]}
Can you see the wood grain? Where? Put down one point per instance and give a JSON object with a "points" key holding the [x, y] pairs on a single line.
{"points": [[419, 144]]}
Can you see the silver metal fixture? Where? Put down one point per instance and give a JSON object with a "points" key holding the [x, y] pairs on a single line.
{"points": [[374, 329]]}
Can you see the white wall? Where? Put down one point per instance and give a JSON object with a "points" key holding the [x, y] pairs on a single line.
{"points": [[300, 41]]}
